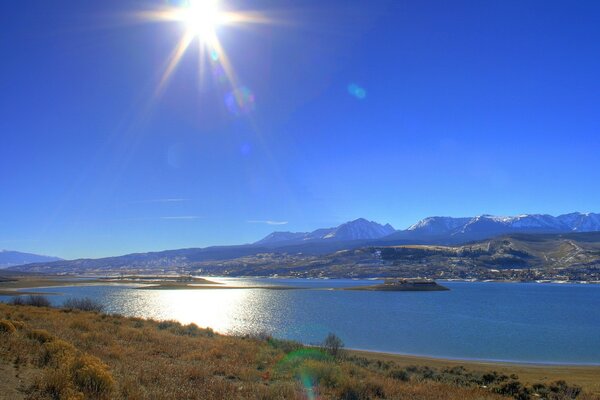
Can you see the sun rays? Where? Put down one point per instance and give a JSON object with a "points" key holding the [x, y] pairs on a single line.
{"points": [[202, 20]]}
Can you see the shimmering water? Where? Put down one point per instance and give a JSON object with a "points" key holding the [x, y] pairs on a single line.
{"points": [[552, 323]]}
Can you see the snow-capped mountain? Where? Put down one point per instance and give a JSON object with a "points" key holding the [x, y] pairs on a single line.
{"points": [[438, 225], [579, 222], [488, 225], [441, 229], [359, 229], [10, 258]]}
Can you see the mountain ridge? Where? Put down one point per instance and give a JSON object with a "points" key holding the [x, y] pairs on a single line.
{"points": [[358, 229], [10, 258], [359, 233]]}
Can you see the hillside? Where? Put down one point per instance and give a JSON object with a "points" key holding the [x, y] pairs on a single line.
{"points": [[68, 354], [10, 258], [574, 256]]}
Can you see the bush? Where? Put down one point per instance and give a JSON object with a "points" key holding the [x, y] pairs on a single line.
{"points": [[40, 335], [6, 326], [286, 346], [322, 373], [17, 301], [399, 374], [92, 377], [162, 325], [333, 345], [84, 304], [56, 383], [31, 300], [352, 390], [514, 389], [58, 352], [18, 324], [561, 390]]}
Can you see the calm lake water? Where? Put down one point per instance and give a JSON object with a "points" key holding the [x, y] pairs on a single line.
{"points": [[549, 323]]}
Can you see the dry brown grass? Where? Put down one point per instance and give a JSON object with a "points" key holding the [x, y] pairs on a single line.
{"points": [[98, 356]]}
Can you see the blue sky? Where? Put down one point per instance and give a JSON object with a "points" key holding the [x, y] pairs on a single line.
{"points": [[465, 107]]}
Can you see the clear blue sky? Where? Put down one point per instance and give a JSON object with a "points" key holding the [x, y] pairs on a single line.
{"points": [[467, 107]]}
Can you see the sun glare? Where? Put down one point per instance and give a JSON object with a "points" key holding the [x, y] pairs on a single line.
{"points": [[201, 18]]}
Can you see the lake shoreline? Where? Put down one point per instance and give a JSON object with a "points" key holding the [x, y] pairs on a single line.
{"points": [[585, 375], [474, 361]]}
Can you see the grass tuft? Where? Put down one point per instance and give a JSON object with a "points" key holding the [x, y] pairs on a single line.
{"points": [[7, 326]]}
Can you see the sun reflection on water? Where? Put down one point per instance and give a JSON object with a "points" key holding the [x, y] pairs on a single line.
{"points": [[236, 311]]}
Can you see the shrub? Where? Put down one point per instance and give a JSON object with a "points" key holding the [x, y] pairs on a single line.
{"points": [[399, 374], [352, 390], [6, 326], [515, 389], [322, 373], [58, 352], [287, 346], [18, 324], [333, 345], [92, 377], [561, 390], [17, 301], [56, 383], [84, 304], [162, 325], [35, 301], [40, 335]]}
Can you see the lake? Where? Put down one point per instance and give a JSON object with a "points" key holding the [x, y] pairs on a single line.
{"points": [[524, 322]]}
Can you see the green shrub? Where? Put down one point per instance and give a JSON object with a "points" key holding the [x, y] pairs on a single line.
{"points": [[399, 374], [162, 325], [561, 390], [514, 389], [287, 346]]}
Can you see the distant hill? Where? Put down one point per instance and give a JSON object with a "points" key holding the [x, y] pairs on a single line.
{"points": [[571, 256], [11, 258]]}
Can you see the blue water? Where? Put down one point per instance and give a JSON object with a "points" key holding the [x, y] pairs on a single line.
{"points": [[547, 323]]}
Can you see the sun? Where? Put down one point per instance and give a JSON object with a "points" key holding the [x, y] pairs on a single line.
{"points": [[201, 18]]}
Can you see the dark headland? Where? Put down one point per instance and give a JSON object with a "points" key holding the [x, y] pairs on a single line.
{"points": [[403, 285]]}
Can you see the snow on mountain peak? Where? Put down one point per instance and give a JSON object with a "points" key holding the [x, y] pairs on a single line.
{"points": [[358, 229]]}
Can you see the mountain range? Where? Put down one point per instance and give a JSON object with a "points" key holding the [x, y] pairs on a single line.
{"points": [[359, 229], [440, 230], [10, 258], [359, 233]]}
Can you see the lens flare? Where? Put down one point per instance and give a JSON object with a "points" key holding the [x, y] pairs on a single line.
{"points": [[240, 101], [201, 20], [357, 91], [298, 363]]}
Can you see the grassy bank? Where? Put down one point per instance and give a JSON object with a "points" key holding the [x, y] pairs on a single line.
{"points": [[48, 353], [587, 377]]}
